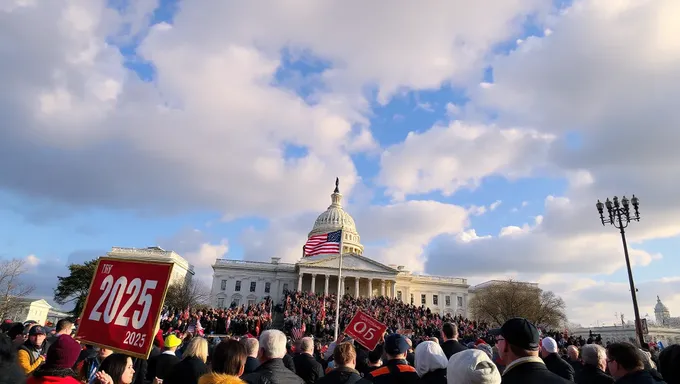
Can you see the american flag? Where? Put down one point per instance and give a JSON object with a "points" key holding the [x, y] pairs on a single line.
{"points": [[326, 243], [299, 333]]}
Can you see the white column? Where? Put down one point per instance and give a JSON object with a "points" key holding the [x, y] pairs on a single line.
{"points": [[342, 287], [325, 288], [300, 281], [313, 282], [394, 289], [370, 288], [382, 287], [356, 287]]}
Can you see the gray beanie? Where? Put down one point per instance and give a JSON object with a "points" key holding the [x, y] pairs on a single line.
{"points": [[472, 366]]}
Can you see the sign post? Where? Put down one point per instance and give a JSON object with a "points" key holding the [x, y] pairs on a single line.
{"points": [[123, 306], [366, 330]]}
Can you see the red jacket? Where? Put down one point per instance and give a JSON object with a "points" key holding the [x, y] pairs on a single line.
{"points": [[52, 380]]}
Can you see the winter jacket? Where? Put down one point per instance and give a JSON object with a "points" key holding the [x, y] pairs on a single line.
{"points": [[219, 378], [187, 371], [343, 375], [273, 372], [591, 374], [559, 366]]}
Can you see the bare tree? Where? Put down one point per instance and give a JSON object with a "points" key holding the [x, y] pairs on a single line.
{"points": [[12, 286], [188, 293], [499, 301]]}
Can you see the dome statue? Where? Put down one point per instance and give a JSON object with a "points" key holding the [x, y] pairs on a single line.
{"points": [[335, 218], [661, 312]]}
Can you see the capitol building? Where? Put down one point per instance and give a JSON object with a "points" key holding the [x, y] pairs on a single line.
{"points": [[246, 282]]}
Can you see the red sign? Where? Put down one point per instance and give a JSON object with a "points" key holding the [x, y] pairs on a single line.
{"points": [[366, 330], [124, 304]]}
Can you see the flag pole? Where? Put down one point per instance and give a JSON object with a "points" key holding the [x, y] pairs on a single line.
{"points": [[337, 301]]}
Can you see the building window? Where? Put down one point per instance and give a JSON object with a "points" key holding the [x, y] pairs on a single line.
{"points": [[237, 288], [285, 287], [267, 287], [422, 300], [236, 302], [220, 303], [224, 285], [399, 295], [448, 301], [460, 301], [252, 286], [435, 300], [251, 302], [412, 301]]}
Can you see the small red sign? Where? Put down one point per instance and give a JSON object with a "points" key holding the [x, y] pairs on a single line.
{"points": [[366, 330], [124, 304]]}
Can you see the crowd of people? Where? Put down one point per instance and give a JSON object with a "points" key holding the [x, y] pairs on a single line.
{"points": [[419, 346]]}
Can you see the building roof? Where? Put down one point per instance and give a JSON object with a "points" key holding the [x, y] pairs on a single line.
{"points": [[335, 218]]}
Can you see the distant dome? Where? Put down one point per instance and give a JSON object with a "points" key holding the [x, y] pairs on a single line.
{"points": [[334, 218], [660, 307]]}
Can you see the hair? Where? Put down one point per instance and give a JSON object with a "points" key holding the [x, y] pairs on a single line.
{"points": [[344, 354], [592, 354], [572, 349], [450, 330], [307, 344], [375, 355], [626, 354], [252, 346], [63, 325], [7, 351], [197, 347], [115, 366], [273, 342], [15, 330], [668, 366], [229, 357]]}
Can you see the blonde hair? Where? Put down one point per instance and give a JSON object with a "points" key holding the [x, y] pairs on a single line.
{"points": [[197, 347]]}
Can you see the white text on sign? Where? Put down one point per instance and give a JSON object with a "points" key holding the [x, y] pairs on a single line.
{"points": [[135, 339], [113, 296], [364, 330], [106, 268]]}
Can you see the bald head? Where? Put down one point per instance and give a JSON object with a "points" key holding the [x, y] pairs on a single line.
{"points": [[572, 352], [252, 346], [307, 345]]}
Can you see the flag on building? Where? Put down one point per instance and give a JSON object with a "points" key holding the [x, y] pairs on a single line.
{"points": [[326, 243]]}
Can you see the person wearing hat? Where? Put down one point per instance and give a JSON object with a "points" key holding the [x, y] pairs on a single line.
{"points": [[30, 354], [58, 367], [518, 346], [396, 369], [161, 365], [553, 361]]}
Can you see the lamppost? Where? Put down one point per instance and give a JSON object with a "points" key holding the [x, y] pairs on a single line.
{"points": [[619, 215]]}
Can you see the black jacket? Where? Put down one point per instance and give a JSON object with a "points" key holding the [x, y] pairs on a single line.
{"points": [[437, 376], [288, 362], [343, 375], [307, 368], [531, 373], [251, 365], [452, 347], [162, 366], [591, 374], [272, 372], [187, 371], [394, 372], [577, 365], [640, 377], [559, 366]]}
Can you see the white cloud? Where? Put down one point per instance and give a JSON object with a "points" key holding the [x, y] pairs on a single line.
{"points": [[494, 205]]}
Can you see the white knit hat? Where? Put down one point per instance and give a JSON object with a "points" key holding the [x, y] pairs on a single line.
{"points": [[472, 366]]}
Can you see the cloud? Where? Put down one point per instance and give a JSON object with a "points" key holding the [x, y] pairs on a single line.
{"points": [[195, 246]]}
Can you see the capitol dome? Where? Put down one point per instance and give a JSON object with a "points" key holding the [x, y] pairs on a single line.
{"points": [[335, 218]]}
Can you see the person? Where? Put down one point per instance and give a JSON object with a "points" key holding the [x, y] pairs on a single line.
{"points": [[64, 327], [345, 358], [272, 369], [553, 361], [669, 363], [450, 346], [410, 356], [396, 369], [374, 360], [116, 369], [431, 363], [227, 364], [58, 368], [10, 373], [252, 348], [518, 345], [161, 365], [472, 366], [625, 364], [573, 359], [90, 365], [31, 354], [594, 365], [192, 366], [306, 365]]}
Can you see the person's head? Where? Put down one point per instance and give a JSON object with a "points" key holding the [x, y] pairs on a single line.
{"points": [[63, 353], [410, 343], [119, 367], [16, 332], [548, 347], [104, 353], [486, 348], [396, 346], [572, 352], [375, 356], [272, 345], [669, 363], [229, 358], [7, 349], [198, 348], [36, 335], [344, 355], [449, 331], [471, 366], [429, 357], [517, 338], [595, 355], [172, 342], [252, 347], [307, 345], [64, 327], [623, 358]]}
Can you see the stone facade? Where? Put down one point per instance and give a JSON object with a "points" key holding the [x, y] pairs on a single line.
{"points": [[30, 309], [618, 333]]}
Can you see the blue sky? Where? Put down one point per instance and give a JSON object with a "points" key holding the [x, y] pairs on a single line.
{"points": [[455, 115]]}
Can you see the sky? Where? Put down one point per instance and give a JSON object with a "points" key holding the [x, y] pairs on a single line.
{"points": [[471, 140]]}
